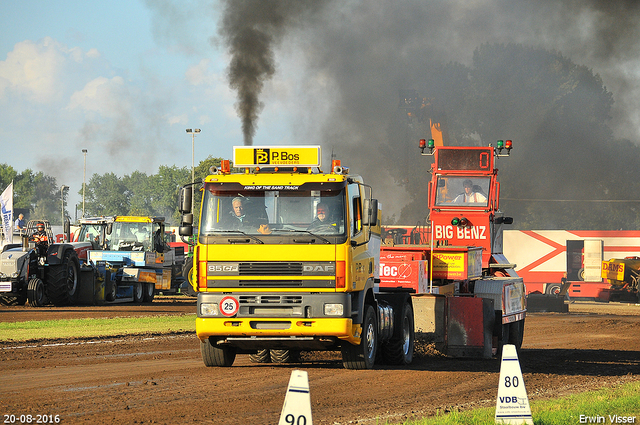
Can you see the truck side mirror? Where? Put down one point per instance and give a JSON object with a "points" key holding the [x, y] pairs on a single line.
{"points": [[186, 227], [370, 212], [109, 228], [185, 230], [67, 229], [186, 195]]}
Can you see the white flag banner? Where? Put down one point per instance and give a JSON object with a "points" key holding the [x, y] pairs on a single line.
{"points": [[7, 213]]}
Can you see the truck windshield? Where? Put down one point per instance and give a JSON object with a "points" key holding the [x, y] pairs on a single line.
{"points": [[93, 233], [470, 191], [272, 212], [131, 236]]}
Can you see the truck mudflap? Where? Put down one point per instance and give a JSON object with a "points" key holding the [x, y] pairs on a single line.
{"points": [[508, 295]]}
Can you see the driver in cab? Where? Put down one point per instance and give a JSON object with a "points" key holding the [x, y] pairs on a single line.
{"points": [[323, 220], [239, 219]]}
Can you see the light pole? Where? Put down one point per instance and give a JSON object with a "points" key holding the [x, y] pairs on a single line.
{"points": [[62, 189], [84, 178], [193, 138]]}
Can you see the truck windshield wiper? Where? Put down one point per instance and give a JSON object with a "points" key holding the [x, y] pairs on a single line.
{"points": [[302, 231], [241, 232]]}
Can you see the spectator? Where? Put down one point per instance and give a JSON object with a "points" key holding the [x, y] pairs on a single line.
{"points": [[19, 224]]}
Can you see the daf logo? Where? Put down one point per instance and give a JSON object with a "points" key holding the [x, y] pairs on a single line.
{"points": [[319, 268]]}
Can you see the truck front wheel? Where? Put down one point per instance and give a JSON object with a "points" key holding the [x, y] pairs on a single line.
{"points": [[363, 356], [217, 356]]}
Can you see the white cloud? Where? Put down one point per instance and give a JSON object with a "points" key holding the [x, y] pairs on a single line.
{"points": [[93, 53], [178, 119], [198, 74], [34, 70], [107, 97]]}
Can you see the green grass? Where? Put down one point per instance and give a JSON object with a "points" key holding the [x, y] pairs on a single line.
{"points": [[87, 328], [621, 400]]}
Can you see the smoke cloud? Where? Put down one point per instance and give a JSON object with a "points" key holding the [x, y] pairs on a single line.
{"points": [[251, 30], [349, 60]]}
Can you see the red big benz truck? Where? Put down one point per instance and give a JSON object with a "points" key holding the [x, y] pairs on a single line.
{"points": [[460, 253]]}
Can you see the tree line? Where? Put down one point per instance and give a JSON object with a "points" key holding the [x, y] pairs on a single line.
{"points": [[38, 196]]}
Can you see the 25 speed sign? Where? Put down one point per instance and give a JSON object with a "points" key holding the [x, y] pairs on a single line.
{"points": [[229, 306]]}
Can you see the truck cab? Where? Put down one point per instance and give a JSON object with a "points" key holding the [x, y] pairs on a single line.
{"points": [[287, 258]]}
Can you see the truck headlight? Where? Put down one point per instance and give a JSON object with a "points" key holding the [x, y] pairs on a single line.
{"points": [[207, 309], [333, 309]]}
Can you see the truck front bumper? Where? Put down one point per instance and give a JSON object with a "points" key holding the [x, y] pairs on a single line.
{"points": [[284, 317]]}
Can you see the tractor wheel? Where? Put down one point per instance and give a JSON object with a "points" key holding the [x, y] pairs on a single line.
{"points": [[149, 292], [187, 273], [552, 289], [110, 290], [11, 301], [399, 350], [285, 356], [363, 356], [36, 293], [138, 292], [217, 356], [512, 333], [62, 280], [262, 356], [516, 333]]}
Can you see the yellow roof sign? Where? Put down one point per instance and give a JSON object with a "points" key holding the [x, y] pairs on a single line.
{"points": [[296, 156]]}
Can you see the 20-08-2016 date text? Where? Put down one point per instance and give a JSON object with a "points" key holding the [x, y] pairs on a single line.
{"points": [[31, 419]]}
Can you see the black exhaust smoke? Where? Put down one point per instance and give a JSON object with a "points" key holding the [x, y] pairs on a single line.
{"points": [[251, 29]]}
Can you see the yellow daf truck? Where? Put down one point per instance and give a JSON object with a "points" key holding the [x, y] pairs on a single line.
{"points": [[287, 258]]}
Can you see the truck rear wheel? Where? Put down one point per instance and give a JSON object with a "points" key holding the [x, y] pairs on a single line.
{"points": [[217, 356], [363, 356], [62, 280], [262, 356], [35, 293], [399, 349]]}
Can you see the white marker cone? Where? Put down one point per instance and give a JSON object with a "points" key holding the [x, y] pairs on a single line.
{"points": [[512, 404], [296, 409]]}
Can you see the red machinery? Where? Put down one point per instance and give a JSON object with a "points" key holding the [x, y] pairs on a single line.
{"points": [[461, 246]]}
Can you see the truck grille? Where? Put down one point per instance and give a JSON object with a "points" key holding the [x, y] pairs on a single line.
{"points": [[270, 269], [270, 299]]}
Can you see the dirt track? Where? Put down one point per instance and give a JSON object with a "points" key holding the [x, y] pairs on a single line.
{"points": [[161, 379]]}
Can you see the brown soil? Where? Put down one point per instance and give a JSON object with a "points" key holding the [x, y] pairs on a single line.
{"points": [[161, 378]]}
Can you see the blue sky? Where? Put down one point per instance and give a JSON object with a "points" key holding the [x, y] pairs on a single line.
{"points": [[122, 79]]}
